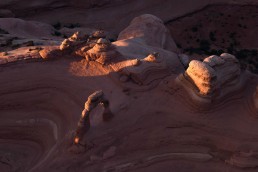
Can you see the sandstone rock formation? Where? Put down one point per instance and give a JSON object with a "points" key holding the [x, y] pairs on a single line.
{"points": [[203, 76], [102, 52], [143, 26], [145, 58], [40, 103], [50, 52], [94, 100], [77, 39], [216, 76], [68, 47], [93, 47]]}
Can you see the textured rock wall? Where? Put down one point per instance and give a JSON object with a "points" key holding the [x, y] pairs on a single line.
{"points": [[97, 13]]}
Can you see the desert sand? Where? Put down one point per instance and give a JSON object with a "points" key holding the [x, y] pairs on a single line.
{"points": [[124, 97]]}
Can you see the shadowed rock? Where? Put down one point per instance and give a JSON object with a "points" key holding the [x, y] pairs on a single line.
{"points": [[213, 73], [93, 101], [5, 13], [145, 25]]}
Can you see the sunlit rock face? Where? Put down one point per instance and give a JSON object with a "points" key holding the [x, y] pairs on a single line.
{"points": [[144, 51], [184, 59], [202, 75], [147, 51], [71, 43], [102, 52], [215, 75]]}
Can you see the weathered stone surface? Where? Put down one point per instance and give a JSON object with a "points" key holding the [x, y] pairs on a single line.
{"points": [[102, 52], [145, 25], [93, 100], [144, 46], [214, 60], [214, 73], [65, 44], [103, 41], [98, 34], [78, 36], [77, 40], [50, 52], [102, 45], [94, 47], [202, 75], [229, 57]]}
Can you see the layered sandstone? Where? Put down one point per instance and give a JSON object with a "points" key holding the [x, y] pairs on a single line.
{"points": [[214, 73], [154, 127], [143, 52]]}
